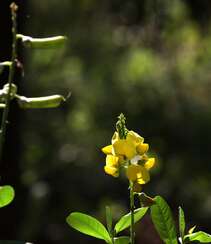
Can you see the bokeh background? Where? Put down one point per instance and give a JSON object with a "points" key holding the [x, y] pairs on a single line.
{"points": [[150, 60]]}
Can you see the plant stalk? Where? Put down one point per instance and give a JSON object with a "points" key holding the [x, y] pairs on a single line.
{"points": [[132, 233], [4, 121]]}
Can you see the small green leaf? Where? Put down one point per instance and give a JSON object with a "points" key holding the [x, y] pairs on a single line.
{"points": [[191, 230], [7, 194], [125, 221], [88, 225], [163, 221], [199, 236], [181, 223], [122, 240], [109, 220]]}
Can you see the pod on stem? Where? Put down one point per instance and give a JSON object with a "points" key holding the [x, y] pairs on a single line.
{"points": [[49, 42], [40, 102]]}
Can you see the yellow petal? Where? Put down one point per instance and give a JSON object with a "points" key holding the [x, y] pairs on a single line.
{"points": [[143, 176], [132, 171], [134, 137], [115, 137], [112, 161], [107, 149], [111, 171], [137, 173], [142, 148], [149, 163], [124, 148]]}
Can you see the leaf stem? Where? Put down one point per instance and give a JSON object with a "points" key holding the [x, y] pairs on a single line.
{"points": [[14, 8], [132, 234]]}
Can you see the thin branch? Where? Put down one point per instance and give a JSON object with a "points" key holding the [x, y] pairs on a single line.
{"points": [[4, 121]]}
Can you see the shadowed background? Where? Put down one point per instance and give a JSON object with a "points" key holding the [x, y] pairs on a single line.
{"points": [[148, 59]]}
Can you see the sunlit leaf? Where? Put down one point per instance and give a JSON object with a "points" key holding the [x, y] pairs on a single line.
{"points": [[199, 236], [109, 219], [122, 240], [163, 221], [191, 230], [181, 223], [88, 225], [7, 194], [125, 221]]}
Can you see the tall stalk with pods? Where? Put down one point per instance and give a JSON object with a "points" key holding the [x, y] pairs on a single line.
{"points": [[9, 92]]}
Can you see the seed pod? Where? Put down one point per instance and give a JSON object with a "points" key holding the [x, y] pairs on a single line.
{"points": [[4, 64], [48, 42], [40, 102]]}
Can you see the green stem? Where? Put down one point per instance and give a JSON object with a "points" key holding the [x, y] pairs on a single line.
{"points": [[132, 234], [4, 122]]}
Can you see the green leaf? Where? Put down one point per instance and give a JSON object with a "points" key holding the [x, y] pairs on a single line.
{"points": [[181, 223], [122, 240], [88, 225], [163, 221], [7, 194], [125, 221], [14, 242], [199, 236], [191, 230], [109, 219]]}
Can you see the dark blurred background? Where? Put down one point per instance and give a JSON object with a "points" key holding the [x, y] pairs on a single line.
{"points": [[150, 60]]}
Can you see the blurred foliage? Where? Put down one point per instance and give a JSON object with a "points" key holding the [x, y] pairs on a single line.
{"points": [[148, 59]]}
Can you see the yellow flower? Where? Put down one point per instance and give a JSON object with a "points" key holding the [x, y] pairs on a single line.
{"points": [[124, 148], [137, 173], [111, 171], [149, 163], [142, 148], [112, 165], [134, 138], [131, 148], [107, 149], [112, 160]]}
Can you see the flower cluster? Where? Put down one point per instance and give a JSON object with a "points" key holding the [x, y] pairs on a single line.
{"points": [[128, 152]]}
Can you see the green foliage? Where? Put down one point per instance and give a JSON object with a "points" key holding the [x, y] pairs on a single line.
{"points": [[199, 236], [7, 194], [109, 220], [125, 221], [122, 240], [181, 223], [162, 219], [88, 225]]}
